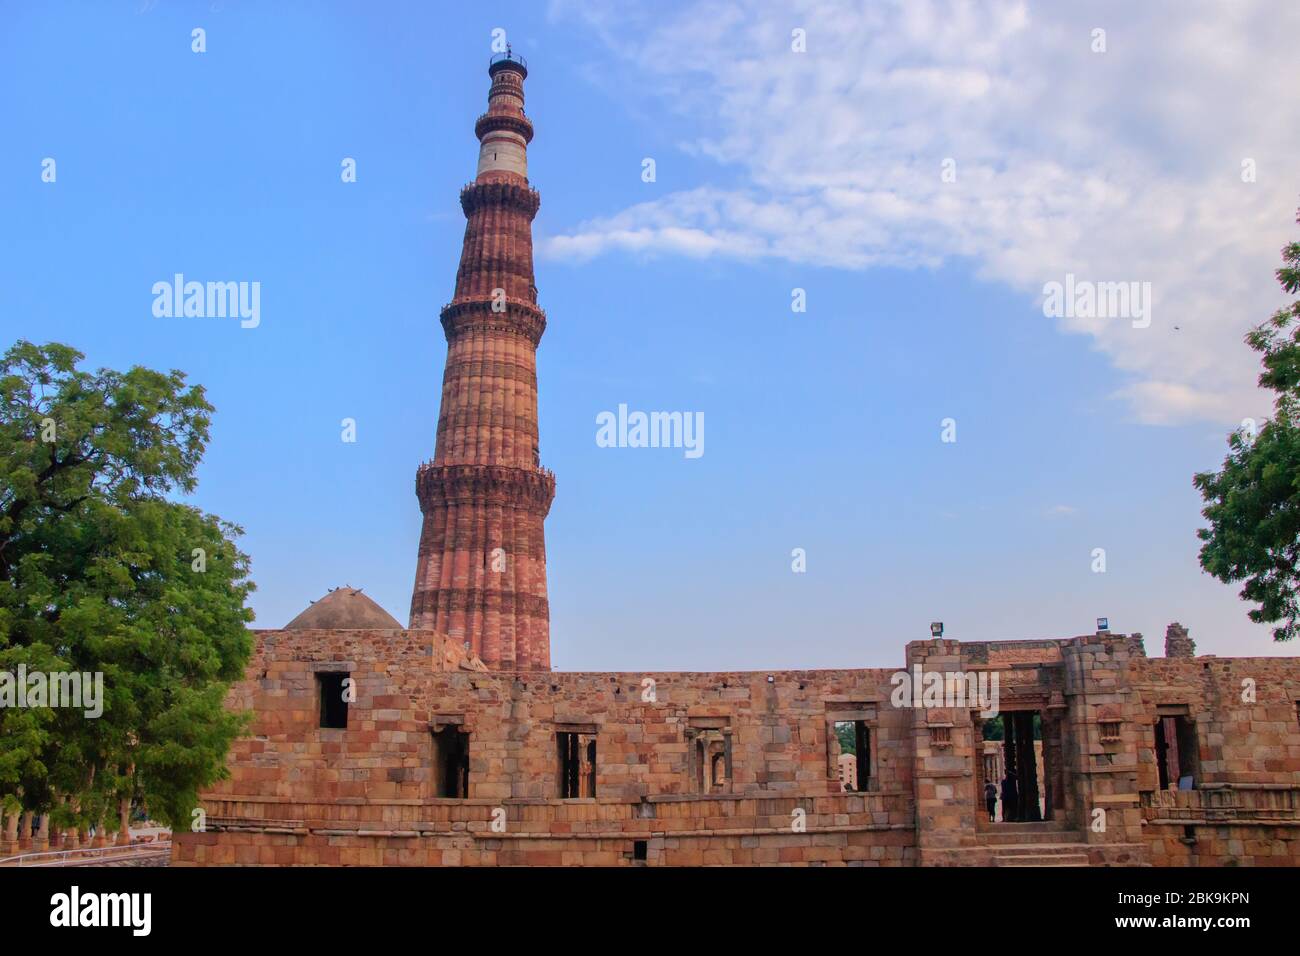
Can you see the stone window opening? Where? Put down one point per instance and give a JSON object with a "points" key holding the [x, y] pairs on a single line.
{"points": [[853, 766], [1176, 748], [1109, 731], [576, 751], [333, 700], [709, 749], [450, 761]]}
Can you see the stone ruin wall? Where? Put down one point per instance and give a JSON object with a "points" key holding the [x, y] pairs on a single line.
{"points": [[1245, 810], [301, 794]]}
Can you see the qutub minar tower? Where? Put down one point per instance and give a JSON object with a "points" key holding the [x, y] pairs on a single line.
{"points": [[481, 572]]}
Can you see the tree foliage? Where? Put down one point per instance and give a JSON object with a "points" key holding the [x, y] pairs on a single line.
{"points": [[847, 737], [102, 571], [1253, 502]]}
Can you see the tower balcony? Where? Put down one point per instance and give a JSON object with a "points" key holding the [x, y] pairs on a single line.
{"points": [[441, 483], [513, 195], [507, 61], [467, 314], [490, 122]]}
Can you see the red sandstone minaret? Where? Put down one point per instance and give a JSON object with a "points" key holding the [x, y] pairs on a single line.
{"points": [[481, 572]]}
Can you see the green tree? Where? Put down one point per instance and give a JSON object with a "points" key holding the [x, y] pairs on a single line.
{"points": [[848, 739], [101, 571], [995, 727], [1253, 503]]}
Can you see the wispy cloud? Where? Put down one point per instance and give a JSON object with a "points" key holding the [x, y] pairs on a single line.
{"points": [[1123, 165]]}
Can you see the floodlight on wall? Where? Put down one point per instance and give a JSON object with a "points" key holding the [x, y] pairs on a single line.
{"points": [[936, 629], [1103, 624]]}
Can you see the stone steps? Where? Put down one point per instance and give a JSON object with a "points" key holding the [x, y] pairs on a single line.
{"points": [[1045, 859], [1044, 836], [1068, 853], [1048, 843], [1040, 849], [1037, 827]]}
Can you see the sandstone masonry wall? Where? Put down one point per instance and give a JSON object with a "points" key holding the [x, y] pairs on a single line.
{"points": [[741, 767]]}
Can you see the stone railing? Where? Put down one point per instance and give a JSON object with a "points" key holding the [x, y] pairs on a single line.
{"points": [[1224, 804]]}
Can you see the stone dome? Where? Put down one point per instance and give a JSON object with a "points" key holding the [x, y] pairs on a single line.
{"points": [[344, 609]]}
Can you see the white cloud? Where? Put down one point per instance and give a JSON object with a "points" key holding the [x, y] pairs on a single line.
{"points": [[1115, 166]]}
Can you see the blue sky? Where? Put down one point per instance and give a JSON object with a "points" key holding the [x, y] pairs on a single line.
{"points": [[775, 170]]}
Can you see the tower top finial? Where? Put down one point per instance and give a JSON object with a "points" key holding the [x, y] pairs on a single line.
{"points": [[508, 61]]}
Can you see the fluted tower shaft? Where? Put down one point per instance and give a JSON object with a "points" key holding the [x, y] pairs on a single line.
{"points": [[481, 571]]}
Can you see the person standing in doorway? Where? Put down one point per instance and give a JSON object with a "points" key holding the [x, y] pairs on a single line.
{"points": [[991, 800], [1010, 798]]}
